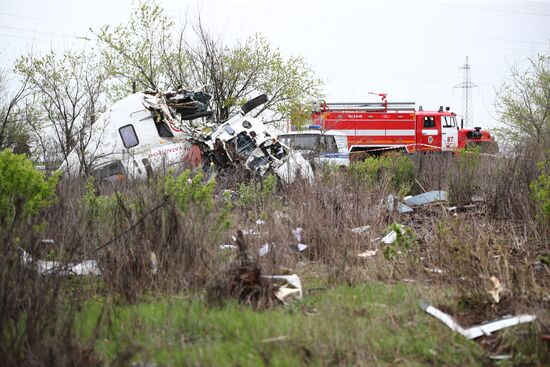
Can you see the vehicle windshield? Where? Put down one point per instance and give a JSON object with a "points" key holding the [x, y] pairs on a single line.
{"points": [[312, 142]]}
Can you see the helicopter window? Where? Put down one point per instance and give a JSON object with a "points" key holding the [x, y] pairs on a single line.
{"points": [[163, 130], [128, 135]]}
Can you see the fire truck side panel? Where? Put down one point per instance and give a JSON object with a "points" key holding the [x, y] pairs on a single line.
{"points": [[371, 129], [428, 132]]}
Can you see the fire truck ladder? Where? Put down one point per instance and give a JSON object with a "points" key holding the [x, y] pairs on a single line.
{"points": [[368, 106]]}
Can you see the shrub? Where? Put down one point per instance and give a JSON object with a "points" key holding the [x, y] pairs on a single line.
{"points": [[394, 168], [23, 192], [540, 189]]}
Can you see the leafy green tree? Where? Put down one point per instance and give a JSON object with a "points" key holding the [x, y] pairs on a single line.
{"points": [[524, 104], [149, 51]]}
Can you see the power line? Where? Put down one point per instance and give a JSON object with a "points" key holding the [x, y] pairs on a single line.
{"points": [[385, 26], [42, 32]]}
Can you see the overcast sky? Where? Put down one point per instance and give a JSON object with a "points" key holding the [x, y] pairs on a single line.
{"points": [[411, 50]]}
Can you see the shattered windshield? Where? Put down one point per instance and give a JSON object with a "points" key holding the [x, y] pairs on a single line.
{"points": [[245, 144]]}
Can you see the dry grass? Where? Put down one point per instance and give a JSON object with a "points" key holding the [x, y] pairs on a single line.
{"points": [[123, 225]]}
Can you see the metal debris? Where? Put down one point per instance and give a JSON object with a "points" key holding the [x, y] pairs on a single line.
{"points": [[476, 331], [290, 289], [496, 290], [88, 267], [368, 253], [301, 247], [360, 230], [426, 198], [401, 208], [264, 250]]}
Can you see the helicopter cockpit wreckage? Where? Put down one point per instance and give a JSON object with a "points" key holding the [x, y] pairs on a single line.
{"points": [[148, 133]]}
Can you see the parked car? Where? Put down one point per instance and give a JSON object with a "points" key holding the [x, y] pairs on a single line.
{"points": [[319, 147]]}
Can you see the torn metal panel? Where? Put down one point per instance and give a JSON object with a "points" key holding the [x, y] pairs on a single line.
{"points": [[476, 331], [401, 208], [426, 198], [244, 141]]}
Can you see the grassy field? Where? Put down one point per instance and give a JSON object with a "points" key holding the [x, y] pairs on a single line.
{"points": [[367, 324], [169, 295]]}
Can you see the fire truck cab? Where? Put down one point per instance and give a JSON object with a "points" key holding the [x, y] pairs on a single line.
{"points": [[378, 127]]}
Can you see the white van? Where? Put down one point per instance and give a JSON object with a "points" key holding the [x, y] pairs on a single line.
{"points": [[319, 147]]}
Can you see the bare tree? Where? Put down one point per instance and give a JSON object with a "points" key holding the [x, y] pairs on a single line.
{"points": [[67, 96], [13, 132]]}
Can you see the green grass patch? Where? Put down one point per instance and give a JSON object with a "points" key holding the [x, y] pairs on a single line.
{"points": [[370, 324]]}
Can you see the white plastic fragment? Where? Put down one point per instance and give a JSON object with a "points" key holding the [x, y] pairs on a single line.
{"points": [[264, 250], [297, 233], [291, 289], [496, 290], [476, 331], [368, 253], [260, 222], [390, 238], [88, 267], [153, 262], [426, 198], [360, 230], [301, 247], [228, 246]]}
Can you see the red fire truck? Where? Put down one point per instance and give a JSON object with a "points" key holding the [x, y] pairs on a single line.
{"points": [[382, 126]]}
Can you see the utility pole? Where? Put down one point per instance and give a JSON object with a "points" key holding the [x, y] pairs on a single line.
{"points": [[466, 87]]}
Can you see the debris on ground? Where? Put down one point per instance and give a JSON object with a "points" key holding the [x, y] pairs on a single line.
{"points": [[400, 207], [88, 267], [243, 280], [291, 287], [390, 238], [426, 198], [301, 247], [264, 250], [360, 230], [496, 289], [368, 253], [476, 331]]}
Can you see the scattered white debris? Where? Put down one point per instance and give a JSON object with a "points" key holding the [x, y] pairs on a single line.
{"points": [[368, 253], [228, 246], [477, 330], [360, 230], [435, 270], [301, 247], [402, 208], [297, 233], [292, 287], [390, 238], [264, 250], [153, 262], [260, 222], [390, 202], [496, 290], [88, 267], [426, 198], [500, 357]]}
